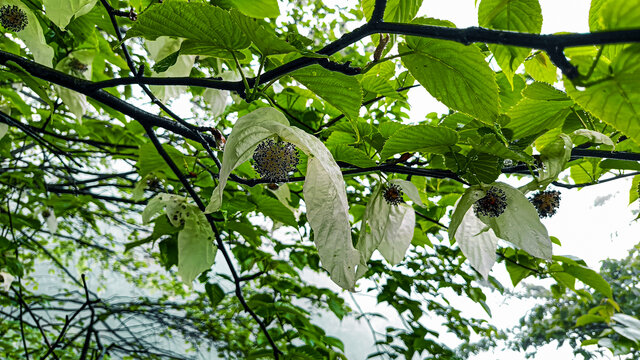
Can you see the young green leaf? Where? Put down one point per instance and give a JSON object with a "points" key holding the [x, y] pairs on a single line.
{"points": [[423, 138]]}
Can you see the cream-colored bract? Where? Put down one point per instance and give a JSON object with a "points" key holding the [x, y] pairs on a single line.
{"points": [[324, 188], [60, 12]]}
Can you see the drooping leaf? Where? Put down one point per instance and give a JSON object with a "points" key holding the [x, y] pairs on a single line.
{"points": [[340, 90], [62, 11], [189, 20], [214, 293], [613, 100], [351, 155], [589, 277], [455, 74], [511, 15], [423, 138], [324, 188]]}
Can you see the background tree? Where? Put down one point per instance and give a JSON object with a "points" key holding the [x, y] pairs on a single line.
{"points": [[123, 157]]}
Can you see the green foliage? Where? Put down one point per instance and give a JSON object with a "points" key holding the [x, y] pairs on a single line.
{"points": [[142, 186]]}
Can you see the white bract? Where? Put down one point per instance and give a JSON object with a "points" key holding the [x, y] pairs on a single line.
{"points": [[196, 252], [324, 188], [6, 280], [387, 228], [76, 102], [519, 224], [60, 12], [158, 50], [32, 35]]}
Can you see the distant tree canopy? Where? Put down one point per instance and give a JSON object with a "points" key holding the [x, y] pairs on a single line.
{"points": [[173, 170]]}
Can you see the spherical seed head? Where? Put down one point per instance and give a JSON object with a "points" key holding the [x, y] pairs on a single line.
{"points": [[275, 160], [13, 18], [492, 204], [392, 194], [77, 66], [546, 202]]}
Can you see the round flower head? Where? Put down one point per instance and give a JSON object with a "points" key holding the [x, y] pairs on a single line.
{"points": [[275, 160], [13, 18], [546, 202], [392, 194], [492, 204]]}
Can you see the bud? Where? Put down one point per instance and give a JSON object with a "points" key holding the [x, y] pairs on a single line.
{"points": [[546, 202], [275, 160], [13, 18], [492, 204]]}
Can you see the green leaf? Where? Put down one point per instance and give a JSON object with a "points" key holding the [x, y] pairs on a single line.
{"points": [[276, 210], [388, 228], [167, 62], [34, 84], [351, 155], [538, 111], [60, 12], [340, 90], [324, 189], [491, 145], [161, 227], [257, 8], [554, 156], [510, 96], [541, 68], [595, 18], [615, 99], [633, 192], [214, 293], [589, 277], [483, 168], [455, 74], [589, 319], [409, 189], [620, 15], [266, 41], [423, 138], [511, 15], [581, 136], [520, 225], [401, 11], [190, 20], [150, 161]]}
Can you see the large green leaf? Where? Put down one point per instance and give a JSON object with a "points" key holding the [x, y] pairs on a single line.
{"points": [[423, 138], [60, 12], [589, 277], [615, 100], [620, 15], [351, 155], [276, 210], [266, 41], [595, 19], [190, 20], [455, 74], [257, 8], [340, 90], [541, 68], [511, 15], [324, 189], [541, 109]]}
